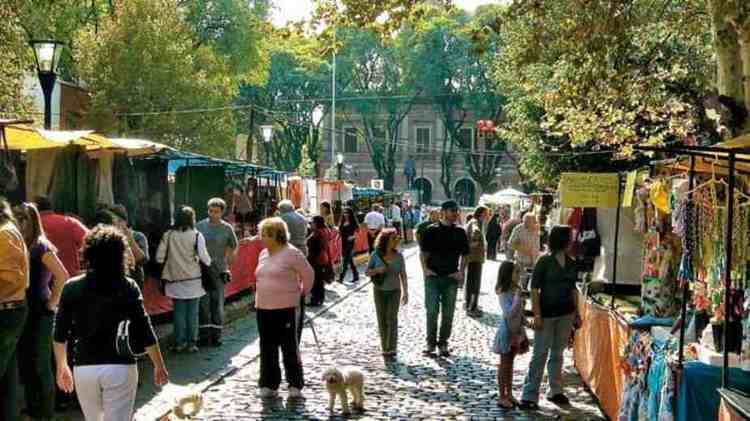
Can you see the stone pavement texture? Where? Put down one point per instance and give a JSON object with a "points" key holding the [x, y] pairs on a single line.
{"points": [[460, 387]]}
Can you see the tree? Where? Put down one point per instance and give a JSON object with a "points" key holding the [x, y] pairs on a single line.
{"points": [[598, 78], [373, 77], [16, 59], [291, 98], [730, 25], [134, 67]]}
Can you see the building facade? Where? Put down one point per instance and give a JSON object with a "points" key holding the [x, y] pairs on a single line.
{"points": [[420, 145]]}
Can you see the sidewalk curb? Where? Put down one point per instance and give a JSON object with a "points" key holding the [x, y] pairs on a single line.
{"points": [[219, 375]]}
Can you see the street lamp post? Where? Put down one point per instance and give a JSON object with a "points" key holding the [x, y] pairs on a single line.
{"points": [[339, 166], [47, 56], [267, 131]]}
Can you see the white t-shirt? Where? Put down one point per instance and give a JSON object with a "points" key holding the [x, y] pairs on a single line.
{"points": [[396, 214], [375, 220]]}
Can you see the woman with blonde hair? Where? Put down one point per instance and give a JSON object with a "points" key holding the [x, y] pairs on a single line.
{"points": [[387, 269], [283, 276]]}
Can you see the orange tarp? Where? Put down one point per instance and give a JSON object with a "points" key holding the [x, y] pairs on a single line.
{"points": [[597, 352]]}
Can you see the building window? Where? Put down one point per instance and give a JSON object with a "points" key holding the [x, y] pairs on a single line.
{"points": [[465, 137], [350, 140], [423, 139]]}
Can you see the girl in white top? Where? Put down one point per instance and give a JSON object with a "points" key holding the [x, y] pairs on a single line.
{"points": [[181, 248]]}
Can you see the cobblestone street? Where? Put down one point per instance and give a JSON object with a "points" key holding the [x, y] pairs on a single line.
{"points": [[462, 386], [414, 387]]}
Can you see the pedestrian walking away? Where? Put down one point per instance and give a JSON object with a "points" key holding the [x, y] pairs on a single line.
{"points": [[14, 280], [477, 254], [92, 307], [554, 300], [47, 276], [221, 242], [525, 243], [494, 229], [319, 258], [296, 224], [387, 269], [65, 232], [283, 277], [375, 222], [348, 231], [510, 337], [181, 251], [443, 257]]}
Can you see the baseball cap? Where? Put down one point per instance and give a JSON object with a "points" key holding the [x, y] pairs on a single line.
{"points": [[449, 205]]}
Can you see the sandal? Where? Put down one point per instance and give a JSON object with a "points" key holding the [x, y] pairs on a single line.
{"points": [[506, 406]]}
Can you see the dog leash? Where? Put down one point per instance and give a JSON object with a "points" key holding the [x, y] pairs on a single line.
{"points": [[309, 322]]}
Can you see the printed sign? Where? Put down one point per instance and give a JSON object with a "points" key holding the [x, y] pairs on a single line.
{"points": [[627, 194], [589, 190]]}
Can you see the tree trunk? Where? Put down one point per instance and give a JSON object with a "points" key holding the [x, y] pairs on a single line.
{"points": [[744, 44], [729, 64]]}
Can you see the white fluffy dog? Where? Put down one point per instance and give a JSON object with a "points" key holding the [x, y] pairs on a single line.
{"points": [[338, 383]]}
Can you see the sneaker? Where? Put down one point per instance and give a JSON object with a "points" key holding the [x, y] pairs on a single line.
{"points": [[267, 393], [444, 351], [193, 349], [295, 393], [178, 349], [430, 350], [528, 406], [559, 399]]}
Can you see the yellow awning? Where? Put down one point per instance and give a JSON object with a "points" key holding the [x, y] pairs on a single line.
{"points": [[26, 138]]}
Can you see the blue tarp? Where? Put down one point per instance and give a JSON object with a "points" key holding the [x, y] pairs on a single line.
{"points": [[699, 391]]}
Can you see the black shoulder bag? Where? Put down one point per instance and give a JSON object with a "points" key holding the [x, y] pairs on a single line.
{"points": [[207, 277]]}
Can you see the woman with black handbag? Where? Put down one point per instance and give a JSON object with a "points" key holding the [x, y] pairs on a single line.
{"points": [[182, 250], [92, 311]]}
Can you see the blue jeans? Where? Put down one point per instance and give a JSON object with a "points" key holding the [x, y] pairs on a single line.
{"points": [[185, 317], [550, 342], [440, 296]]}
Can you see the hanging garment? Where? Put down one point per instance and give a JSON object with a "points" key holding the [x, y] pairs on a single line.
{"points": [[40, 168], [659, 195], [105, 192]]}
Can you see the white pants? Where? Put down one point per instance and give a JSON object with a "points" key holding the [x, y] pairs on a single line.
{"points": [[106, 392]]}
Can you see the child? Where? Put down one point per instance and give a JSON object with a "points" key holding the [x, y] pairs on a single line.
{"points": [[510, 339]]}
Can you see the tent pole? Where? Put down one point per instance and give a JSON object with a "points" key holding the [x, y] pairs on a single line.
{"points": [[617, 240], [728, 270], [187, 185], [686, 282]]}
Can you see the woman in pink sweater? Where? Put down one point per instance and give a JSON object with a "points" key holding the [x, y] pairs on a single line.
{"points": [[283, 277]]}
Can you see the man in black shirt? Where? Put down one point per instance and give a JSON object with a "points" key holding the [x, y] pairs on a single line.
{"points": [[443, 255]]}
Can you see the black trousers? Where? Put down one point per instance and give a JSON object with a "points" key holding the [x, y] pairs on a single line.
{"points": [[492, 248], [348, 258], [278, 329], [318, 292], [473, 286]]}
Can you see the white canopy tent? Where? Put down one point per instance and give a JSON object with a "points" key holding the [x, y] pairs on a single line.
{"points": [[509, 196]]}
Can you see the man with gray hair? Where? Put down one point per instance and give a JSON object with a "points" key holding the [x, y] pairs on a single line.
{"points": [[296, 224]]}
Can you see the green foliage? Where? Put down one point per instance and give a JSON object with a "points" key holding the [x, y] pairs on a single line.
{"points": [[298, 80], [17, 57], [132, 65], [603, 75], [234, 30]]}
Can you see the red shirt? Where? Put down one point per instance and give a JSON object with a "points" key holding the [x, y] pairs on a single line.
{"points": [[246, 260], [67, 235]]}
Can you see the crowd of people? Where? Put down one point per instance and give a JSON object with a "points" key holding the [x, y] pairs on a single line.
{"points": [[66, 291]]}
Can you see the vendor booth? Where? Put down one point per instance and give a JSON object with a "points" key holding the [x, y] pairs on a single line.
{"points": [[681, 350]]}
